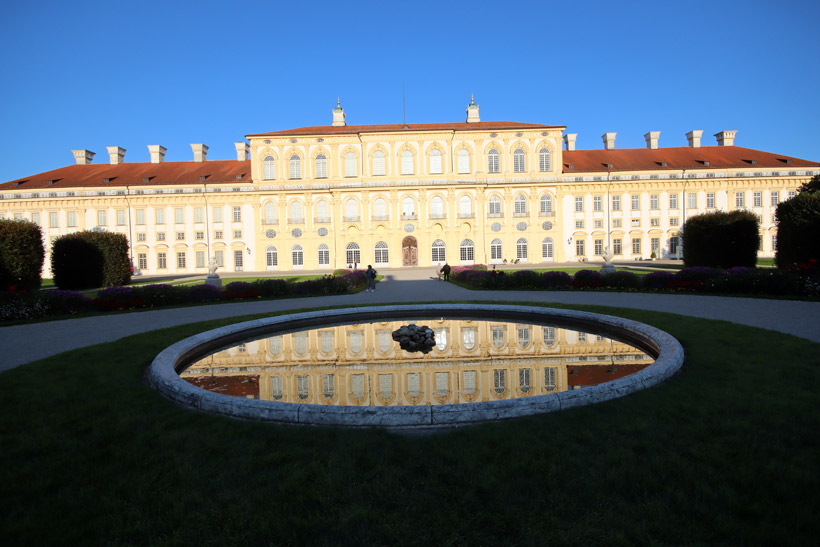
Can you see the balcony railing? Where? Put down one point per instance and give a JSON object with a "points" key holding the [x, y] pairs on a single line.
{"points": [[546, 213], [322, 220], [466, 214], [437, 216], [408, 216], [352, 218], [496, 215], [380, 217], [300, 220], [521, 214], [269, 221]]}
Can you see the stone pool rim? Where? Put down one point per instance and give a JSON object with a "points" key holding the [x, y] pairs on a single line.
{"points": [[163, 375]]}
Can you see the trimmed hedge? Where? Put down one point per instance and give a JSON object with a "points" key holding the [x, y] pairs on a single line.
{"points": [[721, 239], [798, 230], [21, 254], [84, 260]]}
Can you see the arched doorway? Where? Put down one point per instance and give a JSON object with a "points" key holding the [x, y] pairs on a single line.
{"points": [[409, 251]]}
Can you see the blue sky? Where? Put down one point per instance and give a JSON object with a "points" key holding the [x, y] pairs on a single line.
{"points": [[96, 74]]}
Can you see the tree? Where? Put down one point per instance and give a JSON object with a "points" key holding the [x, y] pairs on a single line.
{"points": [[811, 187], [798, 228], [21, 254]]}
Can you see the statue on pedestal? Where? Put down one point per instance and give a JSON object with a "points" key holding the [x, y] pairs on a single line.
{"points": [[607, 256], [213, 277]]}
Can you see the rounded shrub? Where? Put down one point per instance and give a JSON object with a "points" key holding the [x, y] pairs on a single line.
{"points": [[526, 279], [204, 293], [658, 280], [621, 280], [556, 280], [721, 239], [76, 263], [798, 227], [21, 254], [586, 279]]}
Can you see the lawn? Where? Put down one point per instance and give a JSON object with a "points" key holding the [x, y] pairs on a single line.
{"points": [[725, 452]]}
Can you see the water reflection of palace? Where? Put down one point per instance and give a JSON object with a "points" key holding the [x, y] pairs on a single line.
{"points": [[361, 364]]}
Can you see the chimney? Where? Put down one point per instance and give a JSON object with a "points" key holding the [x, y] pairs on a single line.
{"points": [[83, 157], [338, 115], [200, 152], [243, 151], [472, 111], [694, 137], [569, 140], [157, 153], [726, 138], [652, 139], [116, 154], [609, 140]]}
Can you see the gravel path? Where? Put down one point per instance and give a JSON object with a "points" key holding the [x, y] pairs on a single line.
{"points": [[26, 343]]}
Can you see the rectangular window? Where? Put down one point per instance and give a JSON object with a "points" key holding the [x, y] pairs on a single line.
{"points": [[693, 201], [653, 202], [599, 247], [740, 199], [598, 223], [180, 260], [200, 259], [654, 222], [636, 246], [441, 384], [499, 380], [162, 261], [120, 217], [219, 257], [616, 223], [237, 234], [463, 162], [636, 222], [179, 215], [597, 203], [616, 203], [673, 201], [656, 246], [218, 234], [180, 236], [159, 214], [140, 217], [674, 243], [72, 219], [217, 214], [710, 200], [792, 193], [160, 236], [237, 260], [35, 218], [469, 382], [579, 248], [199, 235], [579, 224], [579, 204], [758, 199], [775, 197], [636, 202], [142, 261], [18, 216], [550, 378], [141, 236], [199, 214], [774, 242], [324, 256], [673, 221], [237, 214], [101, 220], [617, 247], [54, 219]]}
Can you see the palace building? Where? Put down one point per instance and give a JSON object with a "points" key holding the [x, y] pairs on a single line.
{"points": [[491, 192]]}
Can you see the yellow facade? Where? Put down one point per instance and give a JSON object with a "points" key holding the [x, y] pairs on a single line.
{"points": [[394, 196]]}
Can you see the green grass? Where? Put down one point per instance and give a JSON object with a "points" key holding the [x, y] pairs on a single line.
{"points": [[724, 453]]}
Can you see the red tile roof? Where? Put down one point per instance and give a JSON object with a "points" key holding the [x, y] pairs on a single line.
{"points": [[386, 128], [684, 157], [135, 174]]}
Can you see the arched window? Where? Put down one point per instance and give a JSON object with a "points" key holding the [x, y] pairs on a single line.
{"points": [[519, 161], [437, 252], [544, 160], [407, 162], [378, 163], [295, 167], [271, 257], [300, 346], [467, 251], [380, 209], [495, 250], [521, 249], [297, 215], [463, 161], [520, 205], [492, 161], [298, 256], [322, 211], [270, 213], [353, 254], [546, 249], [465, 207], [324, 255], [350, 164], [436, 207], [546, 204], [380, 253], [435, 162], [408, 207], [269, 165], [494, 206], [321, 166], [351, 210], [549, 335]]}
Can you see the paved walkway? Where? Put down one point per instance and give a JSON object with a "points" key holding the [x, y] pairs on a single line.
{"points": [[25, 343]]}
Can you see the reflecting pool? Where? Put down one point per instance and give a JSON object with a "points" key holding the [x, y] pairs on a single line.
{"points": [[362, 365]]}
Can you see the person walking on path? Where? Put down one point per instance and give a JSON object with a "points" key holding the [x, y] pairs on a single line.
{"points": [[370, 274], [445, 271]]}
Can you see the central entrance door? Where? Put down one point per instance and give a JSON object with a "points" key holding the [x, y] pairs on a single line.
{"points": [[409, 252]]}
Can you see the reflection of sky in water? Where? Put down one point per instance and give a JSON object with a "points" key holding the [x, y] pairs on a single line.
{"points": [[473, 361]]}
